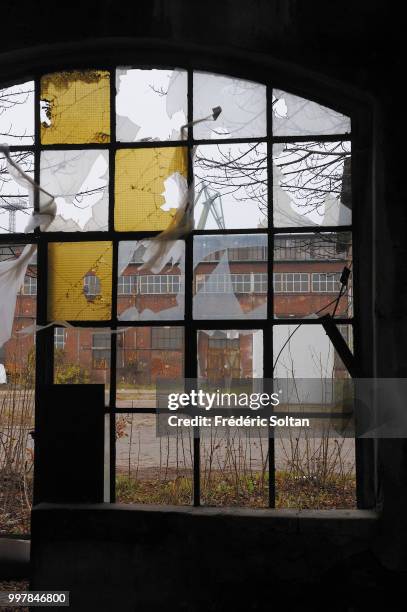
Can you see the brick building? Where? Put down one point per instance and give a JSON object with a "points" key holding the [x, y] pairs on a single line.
{"points": [[307, 269]]}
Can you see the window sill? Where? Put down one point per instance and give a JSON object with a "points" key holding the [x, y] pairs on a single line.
{"points": [[360, 523]]}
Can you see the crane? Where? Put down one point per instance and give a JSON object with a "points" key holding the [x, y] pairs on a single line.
{"points": [[211, 204], [13, 208]]}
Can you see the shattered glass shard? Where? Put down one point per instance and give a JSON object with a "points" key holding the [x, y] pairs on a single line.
{"points": [[295, 116], [312, 183], [230, 276], [79, 181], [243, 106], [140, 186], [148, 295], [145, 111]]}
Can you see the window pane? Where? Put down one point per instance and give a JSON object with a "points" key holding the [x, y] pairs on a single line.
{"points": [[224, 276], [234, 468], [75, 107], [231, 186], [312, 184], [152, 469], [15, 204], [142, 177], [79, 179], [17, 114], [243, 106], [145, 354], [314, 470], [307, 272], [17, 382], [69, 265], [229, 354], [144, 295], [82, 356], [150, 104], [295, 116]]}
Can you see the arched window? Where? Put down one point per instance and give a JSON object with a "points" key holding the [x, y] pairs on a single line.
{"points": [[235, 298]]}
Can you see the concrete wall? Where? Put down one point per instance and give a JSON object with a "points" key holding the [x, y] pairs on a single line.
{"points": [[114, 557]]}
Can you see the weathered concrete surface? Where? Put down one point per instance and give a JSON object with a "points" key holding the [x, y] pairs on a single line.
{"points": [[113, 557]]}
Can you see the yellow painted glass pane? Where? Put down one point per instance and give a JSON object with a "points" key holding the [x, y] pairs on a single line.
{"points": [[80, 281], [141, 181], [75, 107]]}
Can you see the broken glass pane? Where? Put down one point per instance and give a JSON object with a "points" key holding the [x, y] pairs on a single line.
{"points": [[314, 468], [230, 277], [230, 186], [82, 356], [75, 107], [144, 355], [17, 114], [307, 274], [243, 106], [79, 182], [295, 116], [79, 281], [17, 383], [229, 354], [143, 106], [144, 296], [146, 187], [308, 353], [312, 184], [15, 205], [152, 469]]}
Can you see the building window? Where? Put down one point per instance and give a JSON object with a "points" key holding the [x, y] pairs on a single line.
{"points": [[286, 282], [30, 285], [326, 282], [224, 343], [167, 338], [160, 284], [232, 283], [100, 351], [91, 286], [257, 253], [127, 285], [59, 338]]}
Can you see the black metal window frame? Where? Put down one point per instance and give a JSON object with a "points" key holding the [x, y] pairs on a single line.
{"points": [[45, 338]]}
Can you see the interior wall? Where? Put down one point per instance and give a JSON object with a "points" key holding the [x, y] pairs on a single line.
{"points": [[358, 44]]}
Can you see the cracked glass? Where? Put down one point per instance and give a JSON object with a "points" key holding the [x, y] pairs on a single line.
{"points": [[79, 181], [144, 110], [79, 281], [75, 107], [243, 106], [146, 195], [144, 294], [230, 276], [307, 274], [296, 116], [312, 184], [231, 186]]}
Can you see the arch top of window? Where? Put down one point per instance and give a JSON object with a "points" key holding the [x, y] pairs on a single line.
{"points": [[151, 116], [152, 104]]}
